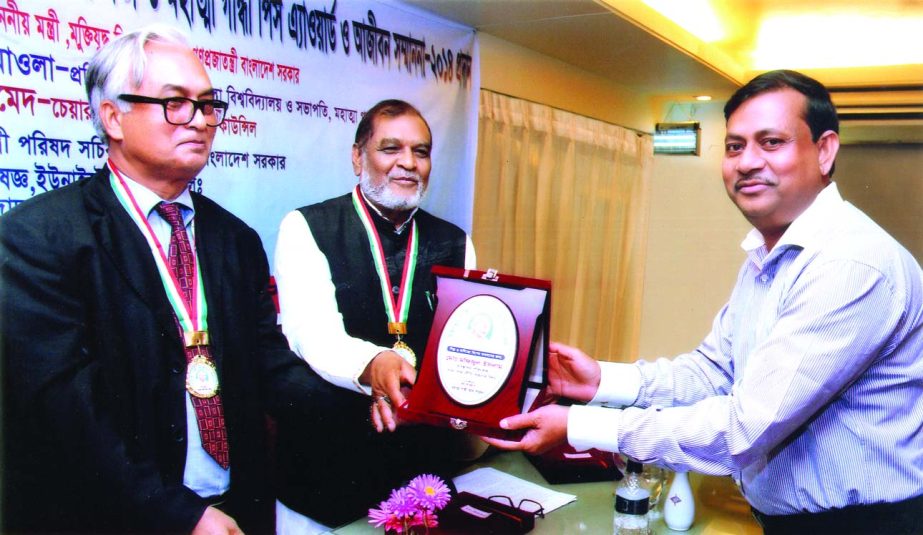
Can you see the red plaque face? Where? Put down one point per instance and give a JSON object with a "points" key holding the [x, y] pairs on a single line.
{"points": [[477, 350]]}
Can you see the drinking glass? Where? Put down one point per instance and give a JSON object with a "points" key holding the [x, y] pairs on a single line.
{"points": [[653, 478]]}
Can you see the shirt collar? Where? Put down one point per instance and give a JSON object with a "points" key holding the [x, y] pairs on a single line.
{"points": [[397, 230], [147, 200], [803, 228]]}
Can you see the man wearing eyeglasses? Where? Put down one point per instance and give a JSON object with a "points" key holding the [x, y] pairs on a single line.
{"points": [[139, 344]]}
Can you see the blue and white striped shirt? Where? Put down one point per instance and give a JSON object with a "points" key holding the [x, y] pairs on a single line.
{"points": [[809, 388]]}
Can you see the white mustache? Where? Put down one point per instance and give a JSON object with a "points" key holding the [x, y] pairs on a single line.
{"points": [[405, 176]]}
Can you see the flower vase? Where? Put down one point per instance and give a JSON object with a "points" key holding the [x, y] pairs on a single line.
{"points": [[679, 505]]}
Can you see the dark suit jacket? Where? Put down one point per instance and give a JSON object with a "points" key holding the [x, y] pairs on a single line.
{"points": [[94, 425]]}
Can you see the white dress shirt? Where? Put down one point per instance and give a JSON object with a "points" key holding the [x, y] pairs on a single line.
{"points": [[809, 387]]}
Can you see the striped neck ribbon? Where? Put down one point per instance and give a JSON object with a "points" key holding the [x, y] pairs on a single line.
{"points": [[193, 315], [397, 309]]}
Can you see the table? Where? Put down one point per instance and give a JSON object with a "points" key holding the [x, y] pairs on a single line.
{"points": [[720, 509]]}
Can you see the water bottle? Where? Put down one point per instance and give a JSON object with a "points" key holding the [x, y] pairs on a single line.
{"points": [[632, 501]]}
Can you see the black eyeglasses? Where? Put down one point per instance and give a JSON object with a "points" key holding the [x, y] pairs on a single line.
{"points": [[180, 111], [529, 506]]}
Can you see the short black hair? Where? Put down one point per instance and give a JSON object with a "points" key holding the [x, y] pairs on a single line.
{"points": [[386, 108], [820, 113]]}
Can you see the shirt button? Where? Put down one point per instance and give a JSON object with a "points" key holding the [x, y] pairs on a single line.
{"points": [[395, 290], [764, 278]]}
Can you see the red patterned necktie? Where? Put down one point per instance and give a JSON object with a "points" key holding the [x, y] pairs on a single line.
{"points": [[209, 411]]}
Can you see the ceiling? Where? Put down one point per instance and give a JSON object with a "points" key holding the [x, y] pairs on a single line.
{"points": [[621, 50], [636, 46]]}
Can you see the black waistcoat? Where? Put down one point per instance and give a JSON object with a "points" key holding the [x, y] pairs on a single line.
{"points": [[342, 238], [335, 470]]}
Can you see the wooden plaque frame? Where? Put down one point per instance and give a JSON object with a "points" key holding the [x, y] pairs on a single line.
{"points": [[528, 302]]}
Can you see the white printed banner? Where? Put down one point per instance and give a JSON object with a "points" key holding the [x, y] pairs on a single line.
{"points": [[298, 77]]}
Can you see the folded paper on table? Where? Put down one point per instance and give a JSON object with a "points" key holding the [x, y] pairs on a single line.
{"points": [[492, 482]]}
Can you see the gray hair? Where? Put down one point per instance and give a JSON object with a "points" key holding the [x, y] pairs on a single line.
{"points": [[119, 67]]}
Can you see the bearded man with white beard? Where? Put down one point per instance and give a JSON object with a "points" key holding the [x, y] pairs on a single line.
{"points": [[353, 274]]}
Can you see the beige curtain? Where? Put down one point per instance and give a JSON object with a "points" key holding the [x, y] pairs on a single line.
{"points": [[563, 197]]}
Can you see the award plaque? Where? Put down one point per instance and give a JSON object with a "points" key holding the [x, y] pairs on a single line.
{"points": [[486, 354]]}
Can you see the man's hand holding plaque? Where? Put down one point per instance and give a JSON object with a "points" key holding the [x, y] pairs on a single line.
{"points": [[386, 374], [544, 428], [572, 375]]}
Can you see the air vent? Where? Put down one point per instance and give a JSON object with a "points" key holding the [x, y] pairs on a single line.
{"points": [[885, 103]]}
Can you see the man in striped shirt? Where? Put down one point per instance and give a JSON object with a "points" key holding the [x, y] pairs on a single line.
{"points": [[809, 387]]}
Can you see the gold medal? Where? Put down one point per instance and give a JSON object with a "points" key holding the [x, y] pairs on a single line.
{"points": [[402, 349], [201, 377]]}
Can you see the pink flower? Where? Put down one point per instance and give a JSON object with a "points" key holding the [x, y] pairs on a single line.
{"points": [[412, 506], [385, 516], [381, 516], [426, 519], [403, 503], [429, 492], [396, 525]]}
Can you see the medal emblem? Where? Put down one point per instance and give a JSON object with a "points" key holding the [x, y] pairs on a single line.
{"points": [[402, 349], [201, 377]]}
